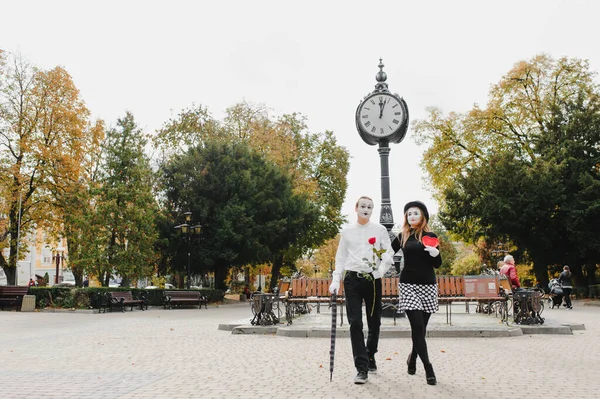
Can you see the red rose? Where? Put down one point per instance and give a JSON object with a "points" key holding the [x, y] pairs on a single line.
{"points": [[372, 240]]}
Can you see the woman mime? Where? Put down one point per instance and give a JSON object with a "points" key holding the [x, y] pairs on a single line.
{"points": [[418, 288]]}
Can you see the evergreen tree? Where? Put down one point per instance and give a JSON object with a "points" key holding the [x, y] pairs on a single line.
{"points": [[245, 204], [122, 231]]}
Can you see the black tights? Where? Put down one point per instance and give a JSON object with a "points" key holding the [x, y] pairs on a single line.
{"points": [[418, 325]]}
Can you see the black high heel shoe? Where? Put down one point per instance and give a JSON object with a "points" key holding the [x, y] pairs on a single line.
{"points": [[412, 364], [430, 375]]}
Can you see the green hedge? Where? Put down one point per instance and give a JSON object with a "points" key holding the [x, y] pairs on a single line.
{"points": [[591, 291], [85, 298], [594, 291]]}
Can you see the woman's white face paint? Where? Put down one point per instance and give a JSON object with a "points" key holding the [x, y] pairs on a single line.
{"points": [[414, 216], [364, 209]]}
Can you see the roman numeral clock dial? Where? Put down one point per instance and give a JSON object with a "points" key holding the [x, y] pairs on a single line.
{"points": [[382, 116]]}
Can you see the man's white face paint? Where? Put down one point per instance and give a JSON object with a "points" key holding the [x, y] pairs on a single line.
{"points": [[364, 209], [414, 216]]}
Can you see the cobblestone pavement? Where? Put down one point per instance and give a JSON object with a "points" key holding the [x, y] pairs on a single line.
{"points": [[182, 354]]}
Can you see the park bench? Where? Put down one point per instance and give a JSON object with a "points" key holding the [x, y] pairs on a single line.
{"points": [[305, 291], [483, 289], [12, 295], [171, 298], [121, 299]]}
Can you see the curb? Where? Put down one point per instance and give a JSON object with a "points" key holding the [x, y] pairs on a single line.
{"points": [[256, 330], [566, 330], [403, 333], [61, 310], [591, 303]]}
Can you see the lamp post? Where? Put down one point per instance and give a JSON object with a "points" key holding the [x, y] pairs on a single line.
{"points": [[259, 279], [499, 250], [57, 256], [188, 231]]}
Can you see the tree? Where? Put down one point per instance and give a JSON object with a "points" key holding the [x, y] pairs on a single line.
{"points": [[315, 163], [325, 254], [122, 233], [446, 247], [44, 132], [510, 170], [245, 204], [469, 264]]}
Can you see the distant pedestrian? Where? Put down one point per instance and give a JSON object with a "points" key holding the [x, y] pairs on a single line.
{"points": [[86, 282], [31, 283], [418, 284], [499, 266], [565, 280]]}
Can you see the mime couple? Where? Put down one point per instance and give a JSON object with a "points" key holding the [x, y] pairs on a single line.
{"points": [[364, 255]]}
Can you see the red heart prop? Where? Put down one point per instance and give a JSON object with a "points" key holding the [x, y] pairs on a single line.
{"points": [[430, 241]]}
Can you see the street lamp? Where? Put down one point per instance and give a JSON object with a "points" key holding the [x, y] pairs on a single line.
{"points": [[499, 250], [188, 231], [57, 256], [259, 279]]}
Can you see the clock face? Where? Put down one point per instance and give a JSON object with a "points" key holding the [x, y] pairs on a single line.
{"points": [[380, 115]]}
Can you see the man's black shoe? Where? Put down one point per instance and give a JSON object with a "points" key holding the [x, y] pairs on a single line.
{"points": [[361, 377], [372, 365]]}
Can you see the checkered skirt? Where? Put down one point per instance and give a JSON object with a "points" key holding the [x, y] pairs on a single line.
{"points": [[419, 297]]}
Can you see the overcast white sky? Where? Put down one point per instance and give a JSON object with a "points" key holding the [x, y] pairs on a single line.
{"points": [[318, 58]]}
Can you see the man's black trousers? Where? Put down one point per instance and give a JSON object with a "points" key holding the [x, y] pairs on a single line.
{"points": [[358, 289]]}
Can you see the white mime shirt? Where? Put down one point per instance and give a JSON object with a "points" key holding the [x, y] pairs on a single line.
{"points": [[354, 246]]}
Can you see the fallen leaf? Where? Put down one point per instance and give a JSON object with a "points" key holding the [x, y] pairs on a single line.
{"points": [[483, 378], [443, 351], [320, 366], [395, 353], [172, 329], [388, 358], [132, 364]]}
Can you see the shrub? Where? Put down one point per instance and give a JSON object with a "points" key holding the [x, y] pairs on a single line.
{"points": [[85, 298]]}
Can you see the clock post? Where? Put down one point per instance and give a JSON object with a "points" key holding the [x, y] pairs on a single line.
{"points": [[382, 118], [386, 216]]}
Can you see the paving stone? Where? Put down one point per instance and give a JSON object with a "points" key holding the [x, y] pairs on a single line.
{"points": [[182, 354]]}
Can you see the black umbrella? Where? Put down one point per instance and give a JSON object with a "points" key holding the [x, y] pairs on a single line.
{"points": [[333, 332]]}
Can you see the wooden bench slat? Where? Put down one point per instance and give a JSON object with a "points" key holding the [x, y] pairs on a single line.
{"points": [[450, 289]]}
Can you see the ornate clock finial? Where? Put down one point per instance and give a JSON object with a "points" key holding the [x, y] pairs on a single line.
{"points": [[381, 77]]}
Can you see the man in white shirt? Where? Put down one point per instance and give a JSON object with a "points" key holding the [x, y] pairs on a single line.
{"points": [[365, 254]]}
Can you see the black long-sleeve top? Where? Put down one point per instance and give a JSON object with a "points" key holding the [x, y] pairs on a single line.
{"points": [[418, 264], [565, 279]]}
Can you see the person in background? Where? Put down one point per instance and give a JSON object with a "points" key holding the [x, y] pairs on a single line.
{"points": [[510, 271], [365, 255], [565, 280], [418, 284], [31, 283], [499, 265]]}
